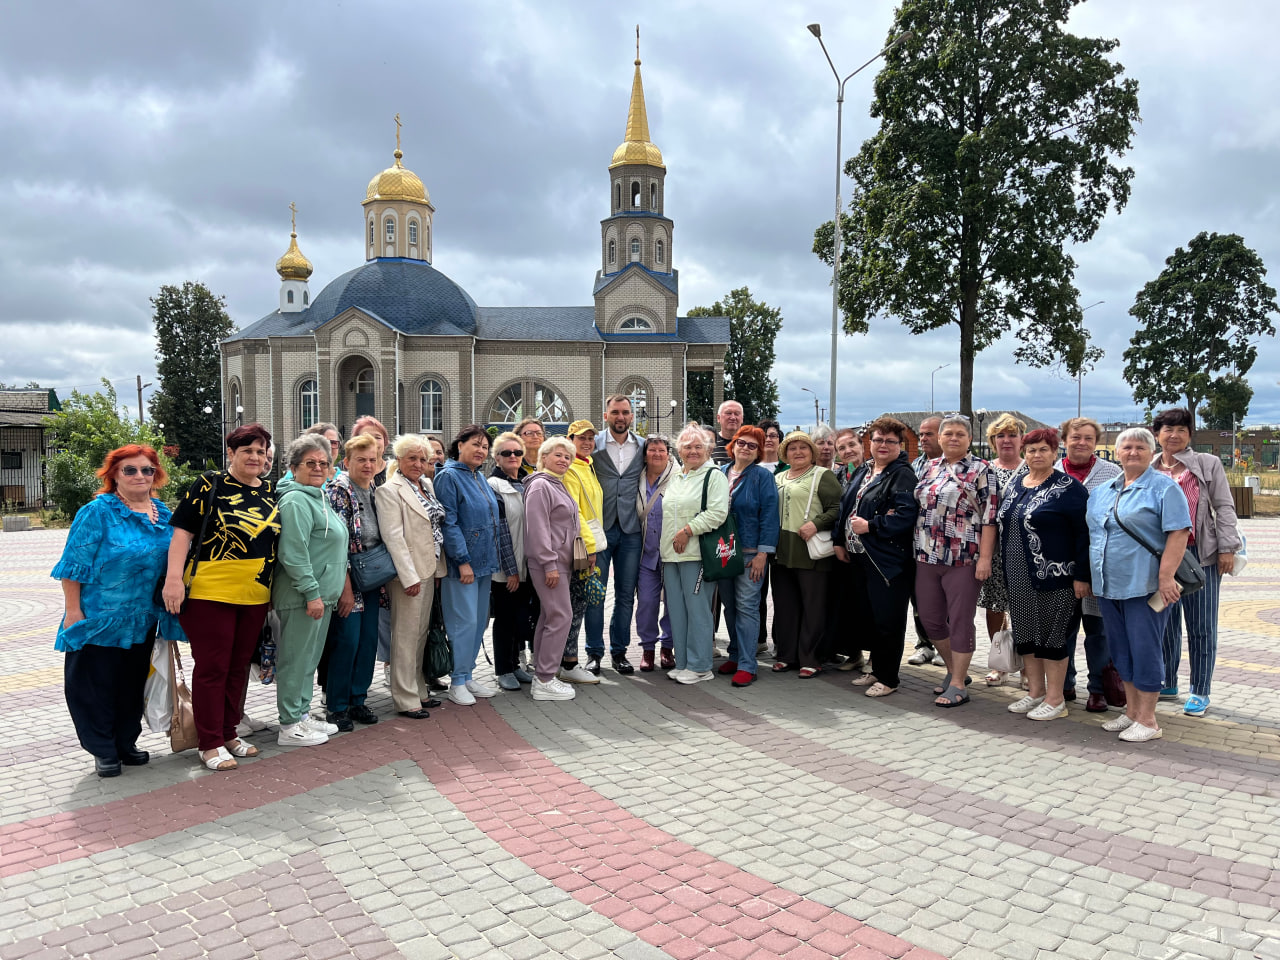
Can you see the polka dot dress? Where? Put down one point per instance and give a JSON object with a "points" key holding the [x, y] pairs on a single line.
{"points": [[1041, 619]]}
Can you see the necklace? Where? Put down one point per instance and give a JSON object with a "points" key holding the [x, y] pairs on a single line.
{"points": [[150, 510]]}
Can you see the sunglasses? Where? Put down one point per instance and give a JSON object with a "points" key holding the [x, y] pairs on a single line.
{"points": [[132, 471], [747, 444], [315, 464], [510, 453]]}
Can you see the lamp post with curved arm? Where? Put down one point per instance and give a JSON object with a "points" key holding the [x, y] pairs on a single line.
{"points": [[816, 30]]}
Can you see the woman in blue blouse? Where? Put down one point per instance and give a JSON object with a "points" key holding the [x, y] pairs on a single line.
{"points": [[116, 551], [753, 501]]}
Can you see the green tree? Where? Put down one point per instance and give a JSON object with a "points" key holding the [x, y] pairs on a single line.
{"points": [[1228, 404], [996, 148], [701, 405], [190, 322], [753, 327], [82, 433], [1199, 323]]}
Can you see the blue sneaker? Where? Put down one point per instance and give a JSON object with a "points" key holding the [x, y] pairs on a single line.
{"points": [[1196, 705], [1169, 693]]}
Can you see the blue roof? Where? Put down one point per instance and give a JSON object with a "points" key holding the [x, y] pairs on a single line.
{"points": [[669, 280], [537, 323]]}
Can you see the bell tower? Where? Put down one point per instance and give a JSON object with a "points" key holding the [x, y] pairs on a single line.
{"points": [[636, 286]]}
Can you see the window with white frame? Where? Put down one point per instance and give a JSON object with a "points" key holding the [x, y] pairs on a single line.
{"points": [[659, 252], [635, 249], [308, 404], [390, 226], [634, 325], [431, 398], [413, 232]]}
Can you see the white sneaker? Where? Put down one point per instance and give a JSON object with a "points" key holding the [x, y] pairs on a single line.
{"points": [[248, 725], [300, 735], [579, 674], [323, 726], [460, 695], [922, 656], [553, 689], [1047, 712], [938, 661], [479, 689], [676, 674], [1117, 724], [1026, 704], [693, 676], [1137, 733]]}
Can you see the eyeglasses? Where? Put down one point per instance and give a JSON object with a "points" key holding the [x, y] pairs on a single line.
{"points": [[885, 441], [335, 443], [510, 453], [132, 471], [315, 464], [747, 444], [949, 417], [529, 432]]}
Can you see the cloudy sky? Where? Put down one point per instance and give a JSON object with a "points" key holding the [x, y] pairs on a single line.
{"points": [[154, 143]]}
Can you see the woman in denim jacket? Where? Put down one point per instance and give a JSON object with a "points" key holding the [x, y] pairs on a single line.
{"points": [[753, 501], [476, 545]]}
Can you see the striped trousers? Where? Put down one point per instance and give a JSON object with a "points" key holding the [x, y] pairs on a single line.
{"points": [[1201, 613]]}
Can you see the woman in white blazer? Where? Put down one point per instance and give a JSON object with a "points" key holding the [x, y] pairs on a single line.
{"points": [[410, 520]]}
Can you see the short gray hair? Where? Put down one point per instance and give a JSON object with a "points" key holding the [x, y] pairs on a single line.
{"points": [[555, 443], [305, 444], [821, 432], [408, 443], [691, 432], [1137, 433]]}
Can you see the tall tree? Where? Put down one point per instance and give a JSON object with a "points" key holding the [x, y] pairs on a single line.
{"points": [[753, 328], [1199, 322], [190, 321], [1228, 405], [998, 136]]}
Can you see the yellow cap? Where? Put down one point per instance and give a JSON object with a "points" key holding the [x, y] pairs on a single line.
{"points": [[579, 427]]}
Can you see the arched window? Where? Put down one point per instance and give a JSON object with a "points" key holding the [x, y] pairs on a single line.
{"points": [[364, 380], [306, 298], [390, 225], [364, 393], [237, 407], [613, 253], [549, 406], [371, 233], [308, 404], [635, 249], [431, 396], [634, 325], [639, 397], [659, 251], [288, 296], [413, 232], [635, 194], [653, 196], [508, 407], [617, 196]]}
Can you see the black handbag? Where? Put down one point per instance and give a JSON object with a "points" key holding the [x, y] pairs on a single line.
{"points": [[157, 592], [372, 568], [437, 660], [1189, 575]]}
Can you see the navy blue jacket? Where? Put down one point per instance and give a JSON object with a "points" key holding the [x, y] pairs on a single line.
{"points": [[754, 505], [889, 506], [1054, 534]]}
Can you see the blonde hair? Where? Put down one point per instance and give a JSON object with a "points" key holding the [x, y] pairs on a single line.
{"points": [[502, 438], [555, 443], [1075, 423], [409, 442], [1006, 422], [361, 441]]}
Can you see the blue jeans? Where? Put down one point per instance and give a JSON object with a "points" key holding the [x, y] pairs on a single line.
{"points": [[1201, 611], [466, 614], [624, 551], [741, 599], [691, 630], [1096, 654], [355, 648]]}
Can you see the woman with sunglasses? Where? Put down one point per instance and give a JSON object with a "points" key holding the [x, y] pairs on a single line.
{"points": [[955, 546], [753, 501], [116, 550], [514, 602]]}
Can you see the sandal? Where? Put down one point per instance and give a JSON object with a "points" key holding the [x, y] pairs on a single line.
{"points": [[995, 678], [807, 672], [946, 685], [238, 748], [954, 700], [866, 680], [880, 690], [781, 666], [221, 760]]}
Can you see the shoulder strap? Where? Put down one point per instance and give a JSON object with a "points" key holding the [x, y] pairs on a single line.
{"points": [[204, 522], [1115, 510], [814, 476], [706, 484]]}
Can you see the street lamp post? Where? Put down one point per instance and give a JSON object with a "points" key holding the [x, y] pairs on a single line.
{"points": [[932, 407], [1080, 372], [656, 418], [980, 415], [817, 419], [816, 30]]}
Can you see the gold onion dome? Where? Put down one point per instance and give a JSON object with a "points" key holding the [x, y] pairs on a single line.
{"points": [[397, 183], [637, 147], [293, 265]]}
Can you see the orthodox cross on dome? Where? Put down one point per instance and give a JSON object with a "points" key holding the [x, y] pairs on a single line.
{"points": [[293, 218], [398, 153], [637, 44]]}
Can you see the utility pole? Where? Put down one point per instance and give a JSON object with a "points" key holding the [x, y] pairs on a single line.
{"points": [[140, 386]]}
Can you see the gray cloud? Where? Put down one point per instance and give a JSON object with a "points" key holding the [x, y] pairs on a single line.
{"points": [[165, 143]]}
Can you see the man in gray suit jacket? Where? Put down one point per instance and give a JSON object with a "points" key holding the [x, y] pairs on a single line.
{"points": [[619, 463]]}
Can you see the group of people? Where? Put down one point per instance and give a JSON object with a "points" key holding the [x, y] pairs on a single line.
{"points": [[346, 549]]}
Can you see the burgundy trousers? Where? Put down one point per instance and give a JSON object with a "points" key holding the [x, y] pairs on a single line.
{"points": [[223, 638]]}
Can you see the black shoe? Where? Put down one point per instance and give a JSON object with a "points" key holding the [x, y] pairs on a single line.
{"points": [[133, 757], [362, 714], [1069, 693], [342, 720], [593, 665], [435, 684], [623, 665], [415, 714], [106, 768], [430, 704]]}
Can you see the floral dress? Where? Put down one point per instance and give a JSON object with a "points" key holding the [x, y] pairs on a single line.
{"points": [[994, 595]]}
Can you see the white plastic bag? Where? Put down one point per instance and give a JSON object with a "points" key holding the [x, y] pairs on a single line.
{"points": [[1003, 656], [157, 695]]}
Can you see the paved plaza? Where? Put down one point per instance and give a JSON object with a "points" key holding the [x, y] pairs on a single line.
{"points": [[646, 819]]}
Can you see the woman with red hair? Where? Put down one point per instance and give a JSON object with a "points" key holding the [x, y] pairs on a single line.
{"points": [[110, 563]]}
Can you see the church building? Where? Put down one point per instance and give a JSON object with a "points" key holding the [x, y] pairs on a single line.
{"points": [[398, 339]]}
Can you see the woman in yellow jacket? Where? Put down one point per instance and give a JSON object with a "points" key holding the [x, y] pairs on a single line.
{"points": [[580, 480]]}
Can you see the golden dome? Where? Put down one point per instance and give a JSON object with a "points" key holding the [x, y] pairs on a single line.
{"points": [[293, 265], [637, 147], [397, 183]]}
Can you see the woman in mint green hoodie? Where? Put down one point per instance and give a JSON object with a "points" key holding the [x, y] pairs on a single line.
{"points": [[311, 571]]}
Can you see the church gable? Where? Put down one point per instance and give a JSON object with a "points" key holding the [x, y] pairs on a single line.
{"points": [[636, 302]]}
